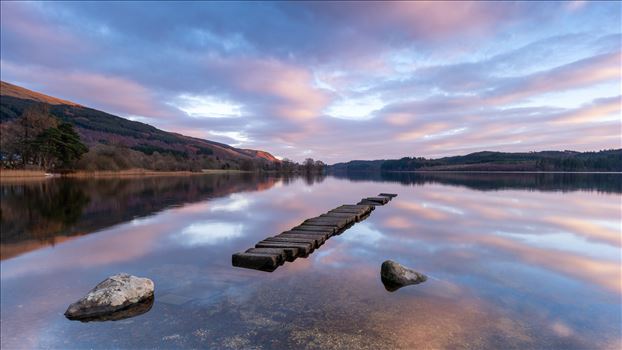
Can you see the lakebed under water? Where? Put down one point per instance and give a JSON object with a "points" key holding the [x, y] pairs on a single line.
{"points": [[513, 260]]}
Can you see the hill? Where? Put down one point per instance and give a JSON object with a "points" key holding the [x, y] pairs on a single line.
{"points": [[606, 160], [114, 137]]}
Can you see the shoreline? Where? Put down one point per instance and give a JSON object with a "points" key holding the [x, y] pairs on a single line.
{"points": [[503, 172], [481, 172], [13, 175]]}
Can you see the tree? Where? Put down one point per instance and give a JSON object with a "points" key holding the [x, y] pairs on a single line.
{"points": [[70, 147], [247, 165], [35, 119], [58, 147], [319, 166], [308, 165], [46, 147]]}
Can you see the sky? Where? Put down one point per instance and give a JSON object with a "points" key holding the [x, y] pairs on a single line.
{"points": [[334, 81]]}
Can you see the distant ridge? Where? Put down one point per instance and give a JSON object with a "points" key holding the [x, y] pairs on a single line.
{"points": [[605, 160], [97, 128]]}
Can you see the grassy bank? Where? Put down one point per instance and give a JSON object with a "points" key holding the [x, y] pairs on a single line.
{"points": [[11, 173], [128, 172]]}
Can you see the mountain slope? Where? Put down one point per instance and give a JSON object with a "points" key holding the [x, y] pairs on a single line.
{"points": [[100, 128]]}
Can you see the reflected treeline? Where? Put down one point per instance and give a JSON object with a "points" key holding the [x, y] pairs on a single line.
{"points": [[601, 182], [39, 213]]}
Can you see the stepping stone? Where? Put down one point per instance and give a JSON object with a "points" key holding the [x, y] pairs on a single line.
{"points": [[303, 248], [343, 229], [381, 200], [353, 211], [356, 216], [356, 206], [285, 255], [324, 235], [390, 195], [348, 216], [314, 242], [305, 234], [327, 218], [363, 217], [366, 202], [305, 227], [319, 240], [261, 262], [325, 221]]}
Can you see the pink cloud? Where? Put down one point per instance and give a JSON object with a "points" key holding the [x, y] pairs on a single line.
{"points": [[283, 89]]}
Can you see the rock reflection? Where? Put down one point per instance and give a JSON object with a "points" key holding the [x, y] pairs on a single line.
{"points": [[128, 312]]}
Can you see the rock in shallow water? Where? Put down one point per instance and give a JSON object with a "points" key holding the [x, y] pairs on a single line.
{"points": [[113, 294], [395, 276]]}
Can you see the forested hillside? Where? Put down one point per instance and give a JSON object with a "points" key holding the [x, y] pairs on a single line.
{"points": [[116, 143]]}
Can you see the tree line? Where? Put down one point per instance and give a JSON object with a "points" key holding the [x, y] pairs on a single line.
{"points": [[287, 166], [605, 160]]}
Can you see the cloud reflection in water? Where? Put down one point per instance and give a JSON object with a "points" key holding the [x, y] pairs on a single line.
{"points": [[209, 233]]}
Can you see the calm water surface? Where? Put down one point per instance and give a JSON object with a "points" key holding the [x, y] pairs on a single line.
{"points": [[515, 261]]}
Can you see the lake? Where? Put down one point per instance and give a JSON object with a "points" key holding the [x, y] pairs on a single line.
{"points": [[513, 261]]}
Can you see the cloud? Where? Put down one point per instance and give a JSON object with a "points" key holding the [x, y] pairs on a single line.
{"points": [[338, 81]]}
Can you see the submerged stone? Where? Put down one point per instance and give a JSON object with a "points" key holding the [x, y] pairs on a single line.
{"points": [[114, 294], [395, 276]]}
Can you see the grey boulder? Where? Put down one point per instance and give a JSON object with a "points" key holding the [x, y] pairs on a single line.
{"points": [[395, 276], [114, 294]]}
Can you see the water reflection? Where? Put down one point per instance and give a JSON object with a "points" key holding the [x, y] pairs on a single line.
{"points": [[208, 233], [497, 181], [520, 267], [37, 214]]}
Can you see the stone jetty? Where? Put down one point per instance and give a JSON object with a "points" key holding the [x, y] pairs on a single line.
{"points": [[311, 234]]}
